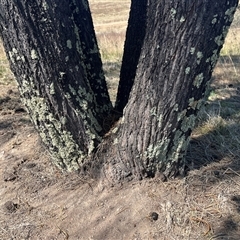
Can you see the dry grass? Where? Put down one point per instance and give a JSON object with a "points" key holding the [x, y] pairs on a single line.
{"points": [[219, 123], [110, 15], [110, 22], [6, 76], [110, 27], [232, 43]]}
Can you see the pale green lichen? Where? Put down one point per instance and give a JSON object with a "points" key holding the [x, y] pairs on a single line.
{"points": [[153, 111], [214, 21], [73, 91], [69, 44], [160, 120], [14, 50], [13, 55], [173, 12], [66, 58], [85, 4], [83, 94], [94, 125], [191, 101], [45, 5], [52, 89], [64, 150], [34, 55], [198, 80], [175, 108], [61, 74], [180, 147], [67, 95], [193, 104], [84, 104], [182, 19], [181, 115], [91, 140], [63, 120], [158, 150], [230, 13], [187, 70], [219, 40], [225, 31], [10, 54], [192, 50], [199, 57], [95, 49], [188, 123], [213, 59]]}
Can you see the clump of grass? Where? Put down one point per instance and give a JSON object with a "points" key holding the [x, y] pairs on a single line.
{"points": [[6, 76], [232, 43], [111, 45]]}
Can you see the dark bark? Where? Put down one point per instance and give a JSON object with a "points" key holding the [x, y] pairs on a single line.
{"points": [[132, 48], [53, 52], [181, 47]]}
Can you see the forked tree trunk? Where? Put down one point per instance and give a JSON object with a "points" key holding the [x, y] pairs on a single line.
{"points": [[54, 56], [180, 49]]}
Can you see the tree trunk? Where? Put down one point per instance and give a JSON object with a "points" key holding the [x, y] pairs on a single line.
{"points": [[54, 56], [181, 47], [53, 53]]}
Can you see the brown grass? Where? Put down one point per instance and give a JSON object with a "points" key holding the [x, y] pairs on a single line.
{"points": [[6, 75]]}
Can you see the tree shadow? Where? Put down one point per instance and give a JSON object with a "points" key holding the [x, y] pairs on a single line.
{"points": [[213, 155], [219, 123]]}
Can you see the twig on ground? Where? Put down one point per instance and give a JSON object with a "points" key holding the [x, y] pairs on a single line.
{"points": [[196, 219], [65, 233]]}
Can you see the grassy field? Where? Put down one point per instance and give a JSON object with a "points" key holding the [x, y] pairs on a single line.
{"points": [[6, 76]]}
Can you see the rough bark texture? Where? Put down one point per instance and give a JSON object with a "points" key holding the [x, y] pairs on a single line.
{"points": [[132, 48], [182, 44], [52, 49], [53, 53]]}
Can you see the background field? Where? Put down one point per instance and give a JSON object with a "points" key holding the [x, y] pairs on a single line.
{"points": [[39, 202]]}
